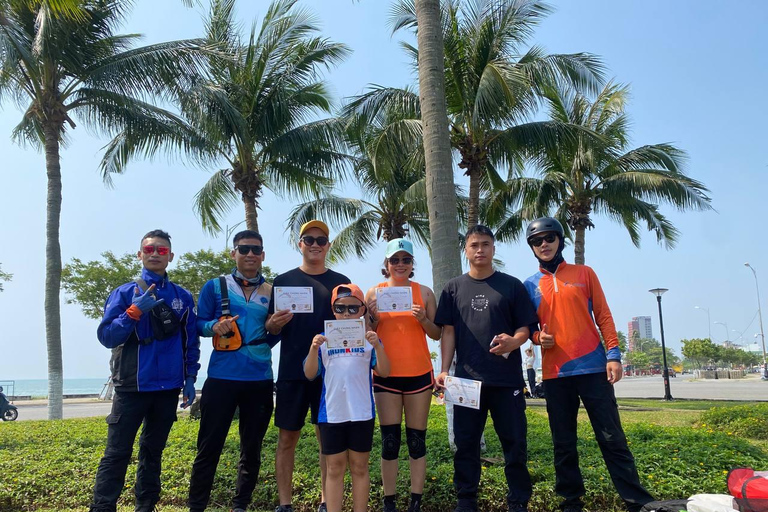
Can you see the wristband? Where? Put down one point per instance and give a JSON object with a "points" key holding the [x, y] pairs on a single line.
{"points": [[134, 312]]}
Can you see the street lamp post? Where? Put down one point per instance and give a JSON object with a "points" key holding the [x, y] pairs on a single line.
{"points": [[727, 332], [658, 292], [760, 316], [709, 321]]}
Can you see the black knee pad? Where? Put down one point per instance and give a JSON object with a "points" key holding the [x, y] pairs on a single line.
{"points": [[417, 442], [390, 441]]}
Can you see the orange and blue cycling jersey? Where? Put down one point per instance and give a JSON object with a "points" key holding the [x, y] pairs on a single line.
{"points": [[570, 302]]}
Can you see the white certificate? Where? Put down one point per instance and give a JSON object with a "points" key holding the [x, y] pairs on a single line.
{"points": [[394, 298], [297, 299], [345, 333], [462, 392]]}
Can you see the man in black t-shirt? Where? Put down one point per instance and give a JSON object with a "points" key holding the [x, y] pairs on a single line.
{"points": [[485, 316], [295, 394]]}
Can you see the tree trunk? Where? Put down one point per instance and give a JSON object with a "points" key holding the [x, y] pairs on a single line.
{"points": [[441, 194], [251, 213], [578, 246], [53, 275], [473, 209]]}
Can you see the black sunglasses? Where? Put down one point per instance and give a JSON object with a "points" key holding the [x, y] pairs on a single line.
{"points": [[322, 241], [394, 260], [549, 238], [245, 249], [340, 309]]}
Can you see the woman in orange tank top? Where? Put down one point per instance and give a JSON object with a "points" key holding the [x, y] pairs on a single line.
{"points": [[409, 385]]}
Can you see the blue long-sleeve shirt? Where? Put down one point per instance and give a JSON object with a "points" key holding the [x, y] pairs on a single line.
{"points": [[253, 360], [141, 363]]}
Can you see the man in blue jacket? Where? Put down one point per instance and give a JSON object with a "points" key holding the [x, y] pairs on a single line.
{"points": [[237, 377], [150, 326]]}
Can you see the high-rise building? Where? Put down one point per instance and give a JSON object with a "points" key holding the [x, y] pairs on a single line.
{"points": [[640, 325]]}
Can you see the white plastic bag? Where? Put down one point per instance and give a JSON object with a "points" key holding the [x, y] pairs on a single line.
{"points": [[711, 503]]}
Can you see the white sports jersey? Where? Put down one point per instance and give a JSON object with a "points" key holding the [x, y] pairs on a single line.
{"points": [[347, 384]]}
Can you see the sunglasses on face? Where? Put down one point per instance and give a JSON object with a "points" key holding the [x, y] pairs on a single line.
{"points": [[245, 249], [161, 250], [340, 309], [549, 238], [394, 260], [322, 241]]}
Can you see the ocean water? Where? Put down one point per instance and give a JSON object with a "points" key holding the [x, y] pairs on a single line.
{"points": [[39, 387]]}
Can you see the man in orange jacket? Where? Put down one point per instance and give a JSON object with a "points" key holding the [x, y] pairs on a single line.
{"points": [[576, 365]]}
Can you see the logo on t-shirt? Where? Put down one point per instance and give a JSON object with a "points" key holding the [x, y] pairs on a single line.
{"points": [[479, 303]]}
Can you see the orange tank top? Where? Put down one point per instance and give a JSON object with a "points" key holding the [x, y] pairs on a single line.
{"points": [[404, 339]]}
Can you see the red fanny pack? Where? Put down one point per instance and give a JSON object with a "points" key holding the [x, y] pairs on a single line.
{"points": [[749, 488]]}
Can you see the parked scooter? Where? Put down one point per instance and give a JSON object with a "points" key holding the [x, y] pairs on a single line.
{"points": [[8, 411]]}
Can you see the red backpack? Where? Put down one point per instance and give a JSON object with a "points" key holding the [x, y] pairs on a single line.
{"points": [[749, 488]]}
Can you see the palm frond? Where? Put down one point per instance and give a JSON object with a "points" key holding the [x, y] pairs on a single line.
{"points": [[215, 200]]}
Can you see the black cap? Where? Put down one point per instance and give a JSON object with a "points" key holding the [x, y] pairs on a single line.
{"points": [[544, 225]]}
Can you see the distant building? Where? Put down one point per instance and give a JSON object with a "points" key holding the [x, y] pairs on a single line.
{"points": [[640, 325]]}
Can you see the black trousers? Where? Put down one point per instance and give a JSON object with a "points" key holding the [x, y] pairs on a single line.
{"points": [[157, 411], [531, 380], [220, 399], [600, 402], [507, 408]]}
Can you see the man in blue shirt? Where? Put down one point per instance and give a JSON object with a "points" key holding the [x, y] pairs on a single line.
{"points": [[150, 326], [237, 377]]}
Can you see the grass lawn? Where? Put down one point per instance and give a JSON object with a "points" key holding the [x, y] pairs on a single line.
{"points": [[50, 465]]}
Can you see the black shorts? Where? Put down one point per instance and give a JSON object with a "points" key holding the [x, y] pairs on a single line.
{"points": [[404, 385], [292, 400], [351, 435]]}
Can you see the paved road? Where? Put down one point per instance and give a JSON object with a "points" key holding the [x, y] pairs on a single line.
{"points": [[682, 386]]}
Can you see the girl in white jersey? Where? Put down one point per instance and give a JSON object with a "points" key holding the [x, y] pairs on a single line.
{"points": [[347, 411]]}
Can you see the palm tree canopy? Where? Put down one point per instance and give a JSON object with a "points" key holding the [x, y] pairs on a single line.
{"points": [[66, 68], [388, 166], [494, 87], [587, 175], [256, 109]]}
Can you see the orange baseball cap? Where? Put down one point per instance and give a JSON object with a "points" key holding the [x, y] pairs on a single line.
{"points": [[322, 226], [347, 290]]}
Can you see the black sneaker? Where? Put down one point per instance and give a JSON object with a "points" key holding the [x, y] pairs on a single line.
{"points": [[464, 509], [284, 508], [573, 509], [389, 507], [518, 507], [322, 508], [414, 506]]}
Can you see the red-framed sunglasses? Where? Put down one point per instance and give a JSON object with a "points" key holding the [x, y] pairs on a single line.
{"points": [[161, 250]]}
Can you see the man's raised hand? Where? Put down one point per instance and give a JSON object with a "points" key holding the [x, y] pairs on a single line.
{"points": [[145, 301]]}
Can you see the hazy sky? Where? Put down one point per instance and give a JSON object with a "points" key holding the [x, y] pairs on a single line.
{"points": [[697, 70]]}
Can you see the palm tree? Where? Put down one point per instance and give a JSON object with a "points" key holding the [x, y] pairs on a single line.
{"points": [[252, 111], [446, 262], [491, 89], [389, 168], [75, 67], [587, 175]]}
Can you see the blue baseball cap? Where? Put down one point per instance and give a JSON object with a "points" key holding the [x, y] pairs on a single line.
{"points": [[397, 245]]}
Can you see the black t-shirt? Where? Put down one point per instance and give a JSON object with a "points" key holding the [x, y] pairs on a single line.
{"points": [[479, 309], [296, 336]]}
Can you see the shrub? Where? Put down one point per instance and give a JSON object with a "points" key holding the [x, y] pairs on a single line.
{"points": [[742, 420], [52, 464]]}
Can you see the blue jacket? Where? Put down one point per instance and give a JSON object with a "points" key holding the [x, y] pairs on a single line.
{"points": [[150, 365], [253, 360]]}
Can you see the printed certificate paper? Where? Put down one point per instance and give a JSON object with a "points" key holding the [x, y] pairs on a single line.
{"points": [[297, 299], [462, 392], [394, 298], [345, 333]]}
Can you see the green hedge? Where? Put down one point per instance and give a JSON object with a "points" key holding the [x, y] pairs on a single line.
{"points": [[743, 420], [52, 464]]}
